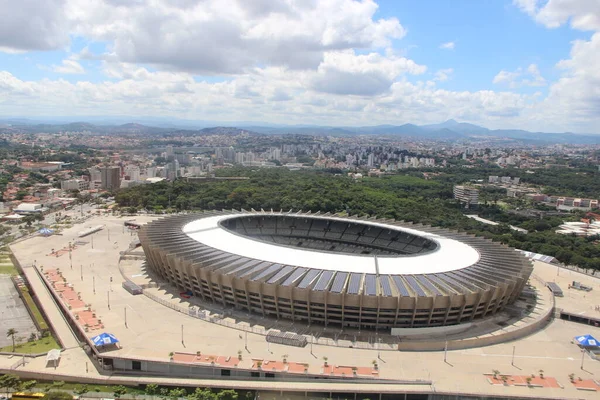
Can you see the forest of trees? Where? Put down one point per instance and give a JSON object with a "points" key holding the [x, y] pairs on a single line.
{"points": [[401, 197]]}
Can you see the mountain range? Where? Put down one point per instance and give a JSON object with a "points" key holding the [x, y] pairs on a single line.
{"points": [[450, 130]]}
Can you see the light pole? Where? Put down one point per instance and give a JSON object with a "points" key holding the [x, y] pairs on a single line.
{"points": [[181, 333], [81, 271], [94, 284], [582, 357], [246, 342], [446, 351], [513, 357], [125, 309], [108, 299]]}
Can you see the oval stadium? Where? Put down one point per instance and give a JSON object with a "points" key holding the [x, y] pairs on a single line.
{"points": [[336, 271]]}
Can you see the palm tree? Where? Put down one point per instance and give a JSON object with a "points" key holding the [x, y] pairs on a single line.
{"points": [[12, 332]]}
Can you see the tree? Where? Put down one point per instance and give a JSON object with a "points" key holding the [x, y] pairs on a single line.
{"points": [[81, 390], [10, 382], [202, 394], [119, 391], [28, 385], [151, 389], [58, 395], [11, 333], [177, 393], [227, 394]]}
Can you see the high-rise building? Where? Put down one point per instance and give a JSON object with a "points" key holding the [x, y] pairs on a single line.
{"points": [[170, 152], [467, 195], [110, 177], [133, 171], [150, 172], [95, 174]]}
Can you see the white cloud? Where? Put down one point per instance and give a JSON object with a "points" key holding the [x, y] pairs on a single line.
{"points": [[292, 33], [582, 14], [447, 46], [443, 74], [33, 25], [345, 73], [573, 101], [529, 77], [69, 67]]}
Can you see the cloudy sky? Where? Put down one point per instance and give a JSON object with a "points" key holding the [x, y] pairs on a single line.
{"points": [[531, 64]]}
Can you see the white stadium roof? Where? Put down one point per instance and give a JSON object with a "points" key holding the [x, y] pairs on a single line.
{"points": [[450, 254]]}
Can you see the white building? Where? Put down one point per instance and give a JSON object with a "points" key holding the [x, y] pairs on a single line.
{"points": [[467, 195], [150, 172], [95, 174], [74, 184], [133, 171]]}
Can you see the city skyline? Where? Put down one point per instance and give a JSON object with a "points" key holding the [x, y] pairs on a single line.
{"points": [[510, 64]]}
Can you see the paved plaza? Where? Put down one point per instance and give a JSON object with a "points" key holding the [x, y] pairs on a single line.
{"points": [[150, 330]]}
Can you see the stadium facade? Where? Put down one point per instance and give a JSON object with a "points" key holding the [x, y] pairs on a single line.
{"points": [[335, 271]]}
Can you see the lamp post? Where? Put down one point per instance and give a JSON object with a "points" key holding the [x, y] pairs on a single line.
{"points": [[108, 299], [446, 351], [512, 362], [94, 284]]}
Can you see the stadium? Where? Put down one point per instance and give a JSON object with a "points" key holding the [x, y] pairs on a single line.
{"points": [[325, 269]]}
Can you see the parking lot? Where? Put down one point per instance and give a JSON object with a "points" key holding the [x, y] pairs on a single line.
{"points": [[13, 313]]}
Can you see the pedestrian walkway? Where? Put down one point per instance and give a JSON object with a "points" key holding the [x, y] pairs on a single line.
{"points": [[55, 318]]}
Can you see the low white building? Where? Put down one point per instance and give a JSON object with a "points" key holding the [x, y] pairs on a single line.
{"points": [[26, 208], [74, 184]]}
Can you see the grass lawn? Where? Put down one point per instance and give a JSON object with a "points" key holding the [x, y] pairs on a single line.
{"points": [[34, 310], [91, 387], [7, 267], [39, 346]]}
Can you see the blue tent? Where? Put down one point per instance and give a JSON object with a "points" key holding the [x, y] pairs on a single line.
{"points": [[587, 341], [46, 231], [104, 339]]}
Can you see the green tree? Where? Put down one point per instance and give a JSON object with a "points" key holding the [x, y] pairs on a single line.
{"points": [[227, 394], [10, 382], [28, 385], [202, 394], [177, 393], [151, 389], [11, 332], [81, 390], [119, 391]]}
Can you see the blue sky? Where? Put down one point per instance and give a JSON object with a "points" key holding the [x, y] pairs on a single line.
{"points": [[503, 64]]}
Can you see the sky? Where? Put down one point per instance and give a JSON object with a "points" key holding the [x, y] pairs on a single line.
{"points": [[518, 64]]}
